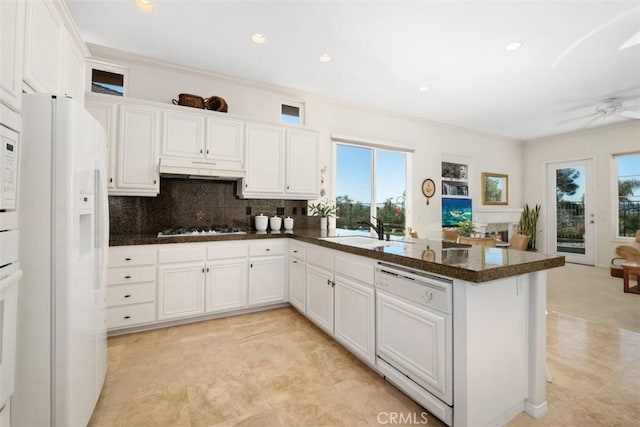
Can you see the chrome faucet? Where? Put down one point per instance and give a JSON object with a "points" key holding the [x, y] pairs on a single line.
{"points": [[379, 228]]}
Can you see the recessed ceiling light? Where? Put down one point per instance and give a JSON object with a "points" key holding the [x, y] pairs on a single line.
{"points": [[324, 58], [144, 5], [513, 46], [423, 88], [258, 38]]}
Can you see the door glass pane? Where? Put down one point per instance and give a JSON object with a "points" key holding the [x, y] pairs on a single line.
{"points": [[391, 179], [353, 186], [570, 218]]}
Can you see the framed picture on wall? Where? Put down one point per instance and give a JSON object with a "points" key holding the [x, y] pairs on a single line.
{"points": [[495, 189]]}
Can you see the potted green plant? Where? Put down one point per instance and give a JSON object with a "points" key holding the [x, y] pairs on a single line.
{"points": [[529, 225], [324, 209], [465, 228]]}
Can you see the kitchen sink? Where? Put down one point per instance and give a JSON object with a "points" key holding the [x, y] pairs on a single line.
{"points": [[363, 242]]}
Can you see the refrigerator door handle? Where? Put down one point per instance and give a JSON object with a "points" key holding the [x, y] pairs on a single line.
{"points": [[102, 225]]}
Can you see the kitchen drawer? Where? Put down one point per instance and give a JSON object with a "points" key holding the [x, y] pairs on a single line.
{"points": [[182, 254], [131, 294], [320, 258], [118, 276], [275, 247], [222, 251], [122, 258], [355, 268], [297, 251], [131, 315]]}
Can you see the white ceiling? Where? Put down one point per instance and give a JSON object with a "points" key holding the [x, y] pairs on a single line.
{"points": [[383, 51]]}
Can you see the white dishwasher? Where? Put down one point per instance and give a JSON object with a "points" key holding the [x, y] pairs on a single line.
{"points": [[414, 342]]}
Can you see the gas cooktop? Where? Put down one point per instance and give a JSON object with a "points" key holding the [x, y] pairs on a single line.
{"points": [[200, 231]]}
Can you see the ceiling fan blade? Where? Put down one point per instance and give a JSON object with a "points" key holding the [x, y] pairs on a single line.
{"points": [[595, 119], [573, 119], [630, 114]]}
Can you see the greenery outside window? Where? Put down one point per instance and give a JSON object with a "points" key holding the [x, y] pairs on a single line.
{"points": [[371, 182], [627, 194]]}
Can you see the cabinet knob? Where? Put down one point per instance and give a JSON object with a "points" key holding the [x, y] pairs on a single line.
{"points": [[127, 296], [203, 269], [207, 151], [328, 281], [267, 249], [127, 317], [155, 182], [295, 262], [207, 269], [201, 151], [127, 277], [287, 187], [127, 259], [110, 180], [295, 252]]}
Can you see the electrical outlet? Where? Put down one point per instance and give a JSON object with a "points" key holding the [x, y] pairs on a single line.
{"points": [[294, 211], [279, 211], [247, 210]]}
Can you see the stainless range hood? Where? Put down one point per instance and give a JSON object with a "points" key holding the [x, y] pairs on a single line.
{"points": [[199, 169]]}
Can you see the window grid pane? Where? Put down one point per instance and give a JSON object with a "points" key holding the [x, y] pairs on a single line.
{"points": [[628, 189]]}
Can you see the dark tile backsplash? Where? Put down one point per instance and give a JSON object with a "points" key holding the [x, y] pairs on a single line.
{"points": [[192, 203]]}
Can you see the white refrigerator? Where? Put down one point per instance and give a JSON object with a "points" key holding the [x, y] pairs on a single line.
{"points": [[63, 214]]}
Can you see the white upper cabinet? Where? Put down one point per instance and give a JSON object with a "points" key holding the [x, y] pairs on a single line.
{"points": [[207, 140], [54, 54], [225, 143], [138, 143], [303, 163], [43, 46], [106, 114], [73, 62], [265, 160], [182, 134], [281, 163], [11, 52]]}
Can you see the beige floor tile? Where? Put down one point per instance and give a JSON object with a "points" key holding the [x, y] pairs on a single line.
{"points": [[165, 406], [226, 398], [264, 419]]}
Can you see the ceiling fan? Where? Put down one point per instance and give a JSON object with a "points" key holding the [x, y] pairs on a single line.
{"points": [[609, 107]]}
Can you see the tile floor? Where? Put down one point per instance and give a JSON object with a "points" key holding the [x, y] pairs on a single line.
{"points": [[275, 368]]}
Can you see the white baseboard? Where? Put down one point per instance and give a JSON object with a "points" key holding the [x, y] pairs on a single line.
{"points": [[536, 411]]}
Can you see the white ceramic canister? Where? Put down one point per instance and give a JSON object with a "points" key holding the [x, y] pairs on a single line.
{"points": [[288, 223], [261, 222], [275, 222]]}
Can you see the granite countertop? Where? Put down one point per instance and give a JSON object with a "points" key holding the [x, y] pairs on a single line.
{"points": [[471, 263]]}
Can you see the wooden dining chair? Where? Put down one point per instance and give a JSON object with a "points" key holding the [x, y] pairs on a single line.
{"points": [[519, 242], [478, 241], [450, 235]]}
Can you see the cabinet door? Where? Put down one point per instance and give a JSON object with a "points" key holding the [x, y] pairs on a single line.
{"points": [[225, 143], [297, 284], [106, 114], [226, 286], [182, 134], [42, 54], [180, 290], [265, 159], [303, 163], [354, 317], [266, 280], [72, 82], [138, 149], [11, 52], [320, 298]]}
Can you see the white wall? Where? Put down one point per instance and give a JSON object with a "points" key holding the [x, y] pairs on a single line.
{"points": [[156, 81], [599, 144]]}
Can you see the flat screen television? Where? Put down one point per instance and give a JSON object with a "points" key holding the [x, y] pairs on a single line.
{"points": [[455, 211]]}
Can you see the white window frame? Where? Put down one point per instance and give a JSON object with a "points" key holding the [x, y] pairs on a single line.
{"points": [[111, 68], [376, 146], [615, 214], [301, 107]]}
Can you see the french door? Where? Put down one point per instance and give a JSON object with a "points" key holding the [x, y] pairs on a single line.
{"points": [[571, 214]]}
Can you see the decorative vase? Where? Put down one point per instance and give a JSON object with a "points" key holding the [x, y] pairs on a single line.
{"points": [[323, 223]]}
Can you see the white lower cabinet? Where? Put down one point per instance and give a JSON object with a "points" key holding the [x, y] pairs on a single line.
{"points": [[320, 297], [266, 280], [226, 286], [298, 276], [355, 318], [181, 290], [131, 287]]}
